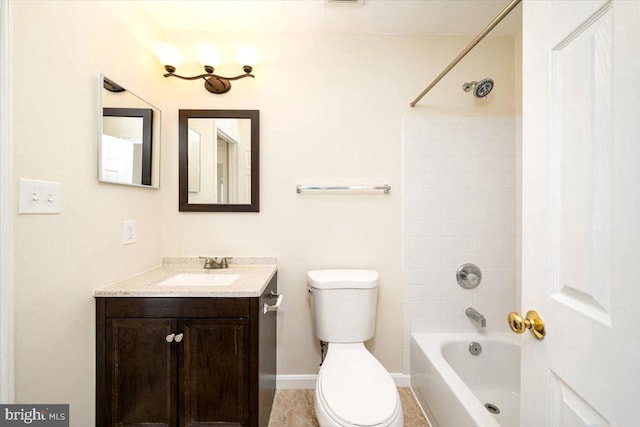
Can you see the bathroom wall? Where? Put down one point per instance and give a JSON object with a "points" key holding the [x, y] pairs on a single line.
{"points": [[331, 110], [460, 178], [60, 49]]}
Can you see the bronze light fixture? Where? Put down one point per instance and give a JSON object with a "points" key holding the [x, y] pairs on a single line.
{"points": [[214, 83]]}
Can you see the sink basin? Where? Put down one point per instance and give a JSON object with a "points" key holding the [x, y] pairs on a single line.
{"points": [[199, 279]]}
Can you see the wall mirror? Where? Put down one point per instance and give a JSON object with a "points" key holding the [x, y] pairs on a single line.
{"points": [[128, 137], [219, 160]]}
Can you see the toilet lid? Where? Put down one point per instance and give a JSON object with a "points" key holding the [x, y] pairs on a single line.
{"points": [[356, 388], [343, 279]]}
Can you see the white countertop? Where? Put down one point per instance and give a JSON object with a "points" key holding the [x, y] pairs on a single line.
{"points": [[255, 274]]}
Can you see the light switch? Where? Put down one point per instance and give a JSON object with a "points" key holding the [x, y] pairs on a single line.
{"points": [[39, 197]]}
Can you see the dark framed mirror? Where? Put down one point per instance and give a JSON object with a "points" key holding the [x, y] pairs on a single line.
{"points": [[139, 122], [219, 158], [129, 138]]}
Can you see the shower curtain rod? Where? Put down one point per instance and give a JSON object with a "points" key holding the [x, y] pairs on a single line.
{"points": [[466, 50]]}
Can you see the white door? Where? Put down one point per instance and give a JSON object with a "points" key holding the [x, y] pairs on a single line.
{"points": [[581, 212]]}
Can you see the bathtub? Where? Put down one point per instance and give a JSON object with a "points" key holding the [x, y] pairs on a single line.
{"points": [[453, 386]]}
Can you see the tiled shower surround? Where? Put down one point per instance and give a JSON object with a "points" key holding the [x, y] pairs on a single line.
{"points": [[459, 206]]}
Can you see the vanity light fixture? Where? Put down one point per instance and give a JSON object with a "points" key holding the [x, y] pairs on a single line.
{"points": [[209, 58]]}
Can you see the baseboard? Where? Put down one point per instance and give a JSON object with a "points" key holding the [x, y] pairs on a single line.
{"points": [[402, 380], [290, 382]]}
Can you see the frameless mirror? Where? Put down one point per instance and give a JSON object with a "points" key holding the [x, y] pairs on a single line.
{"points": [[128, 137], [219, 160]]}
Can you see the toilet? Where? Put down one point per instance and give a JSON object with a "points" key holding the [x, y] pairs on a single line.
{"points": [[353, 389]]}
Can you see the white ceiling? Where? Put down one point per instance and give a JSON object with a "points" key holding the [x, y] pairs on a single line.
{"points": [[321, 16]]}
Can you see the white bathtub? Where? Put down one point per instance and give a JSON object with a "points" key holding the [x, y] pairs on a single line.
{"points": [[452, 386]]}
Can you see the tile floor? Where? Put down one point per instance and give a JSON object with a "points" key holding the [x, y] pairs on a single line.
{"points": [[294, 408]]}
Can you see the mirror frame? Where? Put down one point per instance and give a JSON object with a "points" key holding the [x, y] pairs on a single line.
{"points": [[147, 134], [183, 160]]}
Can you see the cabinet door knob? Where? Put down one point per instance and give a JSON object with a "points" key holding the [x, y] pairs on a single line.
{"points": [[178, 338], [170, 337]]}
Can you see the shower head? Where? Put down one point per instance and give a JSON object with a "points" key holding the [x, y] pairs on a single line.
{"points": [[482, 88]]}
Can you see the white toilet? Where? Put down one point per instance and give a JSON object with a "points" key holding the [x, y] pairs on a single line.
{"points": [[353, 389]]}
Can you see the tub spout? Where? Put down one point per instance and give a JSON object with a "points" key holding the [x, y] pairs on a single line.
{"points": [[474, 315]]}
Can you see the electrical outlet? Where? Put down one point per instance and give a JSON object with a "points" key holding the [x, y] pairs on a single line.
{"points": [[128, 232]]}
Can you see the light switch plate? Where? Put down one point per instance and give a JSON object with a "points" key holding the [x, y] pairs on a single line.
{"points": [[39, 197]]}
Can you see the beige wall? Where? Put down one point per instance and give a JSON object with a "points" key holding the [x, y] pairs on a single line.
{"points": [[331, 112], [60, 49], [331, 109]]}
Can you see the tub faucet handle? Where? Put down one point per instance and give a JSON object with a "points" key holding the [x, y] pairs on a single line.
{"points": [[468, 276], [472, 278]]}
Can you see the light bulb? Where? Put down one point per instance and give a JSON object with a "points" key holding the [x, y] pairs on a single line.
{"points": [[208, 55], [168, 55], [247, 54]]}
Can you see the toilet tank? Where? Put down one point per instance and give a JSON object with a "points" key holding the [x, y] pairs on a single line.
{"points": [[343, 304]]}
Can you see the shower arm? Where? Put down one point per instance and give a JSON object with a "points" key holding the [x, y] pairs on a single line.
{"points": [[467, 49]]}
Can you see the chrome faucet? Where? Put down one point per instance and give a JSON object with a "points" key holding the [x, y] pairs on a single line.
{"points": [[474, 315], [213, 263]]}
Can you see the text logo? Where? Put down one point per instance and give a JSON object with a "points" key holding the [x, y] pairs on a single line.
{"points": [[34, 415]]}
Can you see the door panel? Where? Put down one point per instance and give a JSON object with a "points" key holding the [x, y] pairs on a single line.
{"points": [[581, 205], [568, 409], [581, 166], [141, 372], [214, 361]]}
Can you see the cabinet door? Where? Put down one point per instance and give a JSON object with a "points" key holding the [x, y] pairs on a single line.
{"points": [[141, 373], [214, 373]]}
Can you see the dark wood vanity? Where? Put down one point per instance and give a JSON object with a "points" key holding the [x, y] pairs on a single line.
{"points": [[185, 361]]}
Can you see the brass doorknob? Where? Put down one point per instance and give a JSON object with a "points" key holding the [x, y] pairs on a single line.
{"points": [[533, 322]]}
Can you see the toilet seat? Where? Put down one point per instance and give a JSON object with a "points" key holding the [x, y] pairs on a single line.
{"points": [[354, 389]]}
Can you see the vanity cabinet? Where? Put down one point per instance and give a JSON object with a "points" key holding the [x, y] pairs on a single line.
{"points": [[185, 362]]}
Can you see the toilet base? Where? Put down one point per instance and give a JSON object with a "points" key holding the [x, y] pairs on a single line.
{"points": [[353, 389], [325, 420]]}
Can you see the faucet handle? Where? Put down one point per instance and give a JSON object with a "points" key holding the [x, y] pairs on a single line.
{"points": [[468, 276], [216, 262], [225, 261], [208, 261]]}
